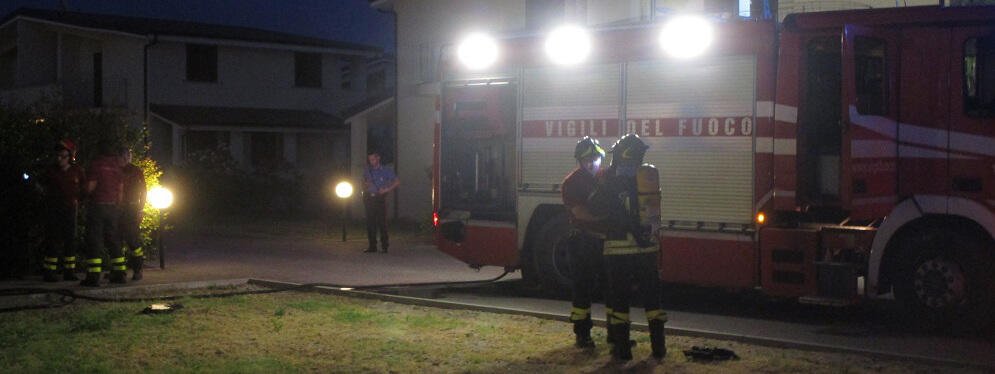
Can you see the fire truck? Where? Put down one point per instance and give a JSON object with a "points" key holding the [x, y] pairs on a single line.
{"points": [[831, 157]]}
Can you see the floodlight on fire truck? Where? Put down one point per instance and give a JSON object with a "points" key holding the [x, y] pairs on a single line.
{"points": [[568, 45], [477, 51], [686, 36]]}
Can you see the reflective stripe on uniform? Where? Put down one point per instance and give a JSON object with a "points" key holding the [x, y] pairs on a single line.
{"points": [[51, 263], [579, 314], [93, 265], [616, 318], [117, 263], [69, 262], [93, 261], [657, 315], [137, 252]]}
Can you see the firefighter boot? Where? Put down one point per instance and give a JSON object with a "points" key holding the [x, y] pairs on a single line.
{"points": [[119, 276], [136, 264], [582, 329], [657, 340], [92, 280], [69, 269], [621, 351], [51, 267]]}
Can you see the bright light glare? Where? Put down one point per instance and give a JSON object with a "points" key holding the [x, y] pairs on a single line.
{"points": [[686, 36], [26, 176], [343, 189], [568, 45], [160, 197], [477, 51]]}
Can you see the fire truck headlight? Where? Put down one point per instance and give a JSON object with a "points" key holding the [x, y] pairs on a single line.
{"points": [[477, 51], [568, 45], [686, 36]]}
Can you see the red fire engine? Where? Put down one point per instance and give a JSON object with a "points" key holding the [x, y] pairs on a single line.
{"points": [[834, 156]]}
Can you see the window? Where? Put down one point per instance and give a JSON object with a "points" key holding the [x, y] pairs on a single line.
{"points": [[307, 69], [345, 69], [202, 63], [871, 76], [376, 82], [979, 77]]}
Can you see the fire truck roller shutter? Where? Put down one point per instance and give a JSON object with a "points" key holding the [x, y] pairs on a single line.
{"points": [[560, 106], [697, 118]]}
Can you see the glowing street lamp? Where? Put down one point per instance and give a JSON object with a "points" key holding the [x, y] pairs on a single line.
{"points": [[160, 198], [344, 190], [568, 45], [686, 36], [477, 51]]}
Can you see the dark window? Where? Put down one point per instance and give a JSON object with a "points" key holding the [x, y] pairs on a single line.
{"points": [[542, 13], [376, 82], [979, 77], [307, 69], [265, 151], [345, 68], [871, 76], [202, 63], [98, 79]]}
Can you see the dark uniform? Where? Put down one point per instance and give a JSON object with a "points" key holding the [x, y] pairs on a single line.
{"points": [[585, 240], [63, 189], [131, 216], [102, 220], [629, 194]]}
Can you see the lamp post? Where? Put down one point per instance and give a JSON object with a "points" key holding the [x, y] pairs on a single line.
{"points": [[160, 198], [344, 190]]}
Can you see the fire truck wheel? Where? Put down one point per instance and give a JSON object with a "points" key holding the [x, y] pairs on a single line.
{"points": [[550, 256], [943, 277]]}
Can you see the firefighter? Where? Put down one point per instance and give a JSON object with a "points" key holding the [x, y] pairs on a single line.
{"points": [[131, 214], [104, 191], [62, 185], [586, 236], [629, 194]]}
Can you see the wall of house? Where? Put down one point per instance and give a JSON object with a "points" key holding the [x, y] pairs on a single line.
{"points": [[36, 55], [266, 82]]}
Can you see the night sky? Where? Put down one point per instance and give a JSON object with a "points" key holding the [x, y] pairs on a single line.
{"points": [[344, 20]]}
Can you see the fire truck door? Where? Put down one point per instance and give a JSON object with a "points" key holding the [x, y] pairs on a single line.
{"points": [[868, 185]]}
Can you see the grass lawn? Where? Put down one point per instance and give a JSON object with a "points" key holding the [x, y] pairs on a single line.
{"points": [[311, 332]]}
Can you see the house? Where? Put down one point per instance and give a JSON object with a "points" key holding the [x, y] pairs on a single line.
{"points": [[427, 30], [271, 99]]}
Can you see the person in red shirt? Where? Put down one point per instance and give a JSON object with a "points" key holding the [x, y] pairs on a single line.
{"points": [[131, 213], [104, 180], [62, 186]]}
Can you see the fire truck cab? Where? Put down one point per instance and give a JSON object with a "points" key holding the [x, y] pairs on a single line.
{"points": [[834, 156]]}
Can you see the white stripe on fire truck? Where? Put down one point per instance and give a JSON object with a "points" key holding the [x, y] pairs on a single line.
{"points": [[872, 148], [777, 146], [909, 151], [577, 112], [765, 109], [881, 125], [785, 113], [921, 135], [770, 194], [972, 143]]}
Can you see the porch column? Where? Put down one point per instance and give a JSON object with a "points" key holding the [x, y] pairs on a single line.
{"points": [[237, 149]]}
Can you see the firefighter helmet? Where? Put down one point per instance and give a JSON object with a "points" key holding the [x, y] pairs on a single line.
{"points": [[586, 147], [68, 145], [628, 150]]}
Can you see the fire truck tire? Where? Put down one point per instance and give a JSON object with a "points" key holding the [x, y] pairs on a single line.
{"points": [[944, 276], [550, 256]]}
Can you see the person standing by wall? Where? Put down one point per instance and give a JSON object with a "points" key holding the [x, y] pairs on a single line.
{"points": [[131, 214], [104, 190], [63, 185], [378, 180]]}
